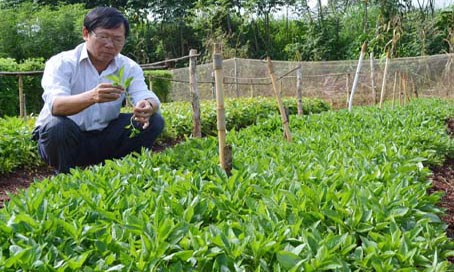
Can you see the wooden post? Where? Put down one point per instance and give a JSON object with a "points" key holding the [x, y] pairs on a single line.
{"points": [[284, 118], [382, 94], [299, 89], [394, 88], [358, 70], [21, 97], [196, 126], [372, 78], [225, 152]]}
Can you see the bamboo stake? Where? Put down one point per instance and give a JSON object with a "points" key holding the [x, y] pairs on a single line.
{"points": [[284, 118], [372, 78], [299, 89], [196, 124], [21, 97], [385, 73], [225, 152], [358, 70], [394, 88]]}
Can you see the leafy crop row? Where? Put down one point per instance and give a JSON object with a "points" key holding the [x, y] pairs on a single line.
{"points": [[16, 148], [348, 194]]}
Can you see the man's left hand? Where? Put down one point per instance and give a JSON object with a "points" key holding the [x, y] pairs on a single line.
{"points": [[142, 113]]}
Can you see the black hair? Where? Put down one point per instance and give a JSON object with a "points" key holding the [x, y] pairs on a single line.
{"points": [[105, 17]]}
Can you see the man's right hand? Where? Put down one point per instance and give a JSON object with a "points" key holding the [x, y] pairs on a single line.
{"points": [[106, 92], [72, 104]]}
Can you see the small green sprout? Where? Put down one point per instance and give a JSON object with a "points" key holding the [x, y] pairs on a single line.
{"points": [[117, 80]]}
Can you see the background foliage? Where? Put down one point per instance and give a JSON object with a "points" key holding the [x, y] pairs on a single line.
{"points": [[283, 30]]}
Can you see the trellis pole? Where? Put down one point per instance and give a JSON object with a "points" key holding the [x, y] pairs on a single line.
{"points": [[299, 88], [196, 126], [358, 70], [225, 151], [284, 118], [382, 94]]}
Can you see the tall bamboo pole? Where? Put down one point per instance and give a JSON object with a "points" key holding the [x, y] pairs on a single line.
{"points": [[299, 89], [196, 124], [225, 151], [382, 94], [358, 70], [284, 118]]}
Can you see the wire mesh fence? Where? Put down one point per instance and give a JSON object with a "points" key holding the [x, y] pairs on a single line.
{"points": [[428, 76]]}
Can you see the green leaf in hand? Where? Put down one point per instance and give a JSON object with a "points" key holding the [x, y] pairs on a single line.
{"points": [[117, 80]]}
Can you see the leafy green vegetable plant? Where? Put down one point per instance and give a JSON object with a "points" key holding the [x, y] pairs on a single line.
{"points": [[349, 194], [117, 80]]}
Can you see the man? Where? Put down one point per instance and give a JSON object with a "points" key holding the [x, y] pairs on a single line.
{"points": [[80, 123]]}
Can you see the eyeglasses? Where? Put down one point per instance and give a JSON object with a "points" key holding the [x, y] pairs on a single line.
{"points": [[104, 38]]}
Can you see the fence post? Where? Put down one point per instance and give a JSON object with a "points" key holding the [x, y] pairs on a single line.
{"points": [[299, 88], [21, 97], [225, 151], [196, 126], [284, 117]]}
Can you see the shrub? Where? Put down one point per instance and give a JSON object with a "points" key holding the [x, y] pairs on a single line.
{"points": [[160, 83], [9, 97]]}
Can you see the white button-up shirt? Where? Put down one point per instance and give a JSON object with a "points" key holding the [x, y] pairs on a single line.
{"points": [[71, 72]]}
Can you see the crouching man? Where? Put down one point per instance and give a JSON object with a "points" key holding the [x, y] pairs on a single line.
{"points": [[80, 123]]}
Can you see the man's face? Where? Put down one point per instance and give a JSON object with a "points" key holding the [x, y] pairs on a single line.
{"points": [[104, 44]]}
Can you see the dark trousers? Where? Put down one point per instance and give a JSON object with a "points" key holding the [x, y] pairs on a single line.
{"points": [[63, 145]]}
